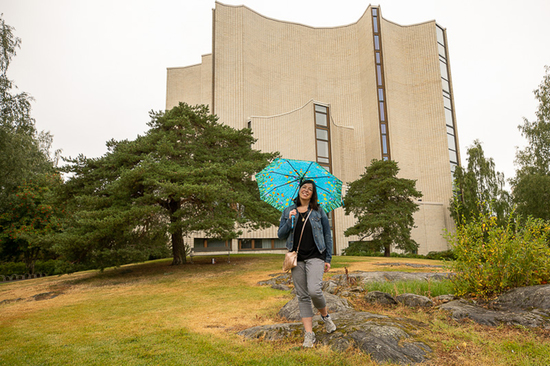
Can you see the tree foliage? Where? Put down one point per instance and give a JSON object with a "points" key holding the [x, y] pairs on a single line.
{"points": [[188, 174], [27, 171], [479, 189], [383, 207], [26, 227], [531, 185]]}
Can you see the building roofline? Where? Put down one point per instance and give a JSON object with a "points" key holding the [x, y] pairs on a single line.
{"points": [[294, 23], [185, 67], [366, 12], [409, 25]]}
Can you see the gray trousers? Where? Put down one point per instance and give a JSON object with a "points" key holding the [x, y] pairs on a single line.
{"points": [[307, 277]]}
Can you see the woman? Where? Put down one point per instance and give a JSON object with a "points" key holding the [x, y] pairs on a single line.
{"points": [[314, 254]]}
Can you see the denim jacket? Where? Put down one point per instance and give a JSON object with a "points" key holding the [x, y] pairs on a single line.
{"points": [[322, 234]]}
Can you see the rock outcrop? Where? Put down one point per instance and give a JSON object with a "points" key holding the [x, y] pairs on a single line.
{"points": [[385, 339], [414, 301], [526, 298], [335, 304], [389, 339], [526, 306], [380, 297], [367, 277]]}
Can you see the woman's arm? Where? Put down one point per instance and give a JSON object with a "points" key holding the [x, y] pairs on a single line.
{"points": [[327, 233], [285, 225]]}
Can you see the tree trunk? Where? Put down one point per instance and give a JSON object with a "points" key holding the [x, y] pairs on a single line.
{"points": [[30, 259], [178, 246], [387, 251]]}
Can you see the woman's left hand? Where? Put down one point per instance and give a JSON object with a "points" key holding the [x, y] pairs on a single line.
{"points": [[327, 267]]}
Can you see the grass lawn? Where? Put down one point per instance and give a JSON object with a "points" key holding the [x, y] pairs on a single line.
{"points": [[155, 314]]}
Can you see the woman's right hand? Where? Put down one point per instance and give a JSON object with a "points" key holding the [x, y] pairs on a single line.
{"points": [[292, 213]]}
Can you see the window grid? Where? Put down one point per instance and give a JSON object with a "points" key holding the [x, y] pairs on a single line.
{"points": [[323, 148], [380, 82], [447, 100], [211, 243], [322, 136], [256, 244]]}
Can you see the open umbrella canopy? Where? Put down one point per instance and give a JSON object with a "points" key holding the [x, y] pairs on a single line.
{"points": [[279, 183]]}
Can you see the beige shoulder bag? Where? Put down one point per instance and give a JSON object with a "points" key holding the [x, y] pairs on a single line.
{"points": [[291, 258]]}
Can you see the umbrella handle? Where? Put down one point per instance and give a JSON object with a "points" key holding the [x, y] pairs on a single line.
{"points": [[292, 221]]}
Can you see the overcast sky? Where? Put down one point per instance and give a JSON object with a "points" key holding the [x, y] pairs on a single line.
{"points": [[97, 67]]}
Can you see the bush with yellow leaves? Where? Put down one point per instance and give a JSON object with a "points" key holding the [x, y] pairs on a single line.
{"points": [[491, 259]]}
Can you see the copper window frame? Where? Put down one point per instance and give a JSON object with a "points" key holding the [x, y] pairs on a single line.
{"points": [[205, 244], [381, 98], [328, 141], [254, 244]]}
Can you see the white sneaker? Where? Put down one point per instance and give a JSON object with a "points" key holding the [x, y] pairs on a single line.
{"points": [[309, 339], [329, 324]]}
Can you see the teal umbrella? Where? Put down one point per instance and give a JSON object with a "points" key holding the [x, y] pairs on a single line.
{"points": [[279, 183]]}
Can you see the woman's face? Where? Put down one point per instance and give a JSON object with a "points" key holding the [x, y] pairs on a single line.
{"points": [[306, 191]]}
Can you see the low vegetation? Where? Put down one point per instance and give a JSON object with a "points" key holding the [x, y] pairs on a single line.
{"points": [[424, 288], [491, 258], [153, 313]]}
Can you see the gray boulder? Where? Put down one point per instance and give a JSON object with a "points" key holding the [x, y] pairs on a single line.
{"points": [[330, 287], [445, 298], [526, 306], [413, 300], [384, 338], [359, 277], [273, 332], [526, 298], [282, 287], [380, 298], [291, 311], [277, 279], [462, 309]]}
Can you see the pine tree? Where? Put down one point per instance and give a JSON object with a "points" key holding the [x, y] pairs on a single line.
{"points": [[383, 207], [187, 174]]}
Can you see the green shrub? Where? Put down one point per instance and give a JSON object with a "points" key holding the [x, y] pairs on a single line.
{"points": [[491, 259], [46, 267], [365, 249], [441, 256], [63, 267], [49, 267], [11, 268], [406, 255], [362, 248]]}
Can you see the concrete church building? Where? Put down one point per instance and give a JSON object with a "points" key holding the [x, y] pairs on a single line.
{"points": [[340, 96]]}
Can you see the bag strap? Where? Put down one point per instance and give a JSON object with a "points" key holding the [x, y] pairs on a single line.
{"points": [[302, 233]]}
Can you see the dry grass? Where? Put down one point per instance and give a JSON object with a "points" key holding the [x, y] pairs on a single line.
{"points": [[466, 343], [377, 264], [153, 313]]}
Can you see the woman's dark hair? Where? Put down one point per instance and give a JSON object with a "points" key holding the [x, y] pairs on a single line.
{"points": [[313, 203]]}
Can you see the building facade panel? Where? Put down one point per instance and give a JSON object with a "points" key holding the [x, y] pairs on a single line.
{"points": [[183, 84], [269, 75]]}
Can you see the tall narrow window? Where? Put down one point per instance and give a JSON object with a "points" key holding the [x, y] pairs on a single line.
{"points": [[380, 82], [322, 135], [322, 138], [447, 99]]}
